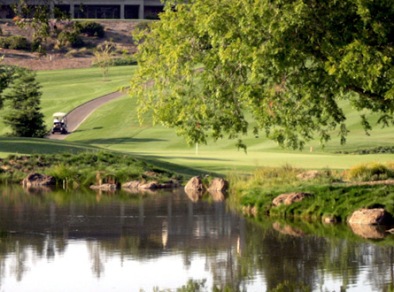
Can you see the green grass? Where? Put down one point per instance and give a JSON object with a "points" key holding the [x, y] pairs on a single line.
{"points": [[64, 90], [115, 126]]}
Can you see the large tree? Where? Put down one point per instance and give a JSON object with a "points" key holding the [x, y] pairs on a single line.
{"points": [[220, 67], [23, 112]]}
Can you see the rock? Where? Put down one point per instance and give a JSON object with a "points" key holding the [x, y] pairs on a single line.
{"points": [[218, 184], [105, 187], [310, 174], [195, 183], [150, 185], [289, 198], [377, 216], [329, 219], [131, 184], [37, 179]]}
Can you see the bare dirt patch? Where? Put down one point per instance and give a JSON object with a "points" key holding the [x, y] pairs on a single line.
{"points": [[118, 32]]}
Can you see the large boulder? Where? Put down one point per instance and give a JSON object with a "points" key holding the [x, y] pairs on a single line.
{"points": [[218, 185], [290, 198], [309, 174], [38, 179], [377, 216], [195, 183]]}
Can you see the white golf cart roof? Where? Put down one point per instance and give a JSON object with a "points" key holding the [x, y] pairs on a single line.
{"points": [[59, 115]]}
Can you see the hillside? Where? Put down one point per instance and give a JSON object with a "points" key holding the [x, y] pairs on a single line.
{"points": [[117, 31]]}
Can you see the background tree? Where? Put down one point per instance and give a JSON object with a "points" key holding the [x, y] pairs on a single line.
{"points": [[103, 55], [284, 67], [24, 112], [41, 18], [6, 75]]}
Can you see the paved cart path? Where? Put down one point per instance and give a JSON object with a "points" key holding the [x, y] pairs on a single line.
{"points": [[76, 116]]}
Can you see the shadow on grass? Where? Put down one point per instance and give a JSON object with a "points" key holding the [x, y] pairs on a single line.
{"points": [[121, 140], [14, 145], [176, 168], [28, 146]]}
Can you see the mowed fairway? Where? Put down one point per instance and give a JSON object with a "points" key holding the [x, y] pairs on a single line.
{"points": [[115, 126], [63, 90]]}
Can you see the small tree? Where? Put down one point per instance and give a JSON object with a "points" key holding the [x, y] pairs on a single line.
{"points": [[24, 114], [103, 57]]}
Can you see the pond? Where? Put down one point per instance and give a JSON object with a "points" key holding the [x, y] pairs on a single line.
{"points": [[86, 241]]}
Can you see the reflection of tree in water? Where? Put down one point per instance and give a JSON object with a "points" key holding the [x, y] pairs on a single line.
{"points": [[18, 266], [374, 259], [96, 254], [308, 261], [191, 230]]}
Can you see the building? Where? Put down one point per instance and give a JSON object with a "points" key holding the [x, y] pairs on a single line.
{"points": [[95, 9]]}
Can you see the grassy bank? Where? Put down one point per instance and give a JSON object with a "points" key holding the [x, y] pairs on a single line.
{"points": [[332, 194], [83, 169]]}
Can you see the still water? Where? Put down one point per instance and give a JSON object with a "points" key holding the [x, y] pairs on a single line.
{"points": [[84, 241]]}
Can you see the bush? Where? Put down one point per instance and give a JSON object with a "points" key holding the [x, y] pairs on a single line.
{"points": [[124, 61], [15, 42], [70, 39], [18, 43], [370, 172], [91, 29]]}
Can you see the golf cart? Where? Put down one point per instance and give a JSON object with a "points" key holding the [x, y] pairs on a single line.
{"points": [[59, 123]]}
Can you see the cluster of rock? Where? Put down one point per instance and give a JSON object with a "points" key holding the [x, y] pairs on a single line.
{"points": [[368, 223], [194, 188]]}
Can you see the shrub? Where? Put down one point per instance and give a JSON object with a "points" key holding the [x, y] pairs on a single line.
{"points": [[91, 28], [36, 46], [18, 43], [15, 42], [124, 61], [370, 172], [71, 39]]}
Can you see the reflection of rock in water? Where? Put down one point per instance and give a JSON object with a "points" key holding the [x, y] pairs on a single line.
{"points": [[38, 190], [217, 196], [138, 192], [287, 229], [368, 231], [164, 234], [194, 195]]}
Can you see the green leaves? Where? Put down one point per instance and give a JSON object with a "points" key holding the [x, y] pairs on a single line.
{"points": [[24, 112], [208, 66]]}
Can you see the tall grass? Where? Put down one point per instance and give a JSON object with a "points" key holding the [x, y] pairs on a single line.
{"points": [[331, 195]]}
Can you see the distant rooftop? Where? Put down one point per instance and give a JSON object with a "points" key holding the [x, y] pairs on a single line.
{"points": [[97, 9]]}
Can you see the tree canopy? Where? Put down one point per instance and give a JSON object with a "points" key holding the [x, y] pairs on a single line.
{"points": [[23, 113], [225, 67]]}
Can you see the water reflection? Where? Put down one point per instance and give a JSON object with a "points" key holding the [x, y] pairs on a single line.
{"points": [[61, 241]]}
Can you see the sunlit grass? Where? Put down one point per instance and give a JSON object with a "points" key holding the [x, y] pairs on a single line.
{"points": [[64, 90], [115, 127]]}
